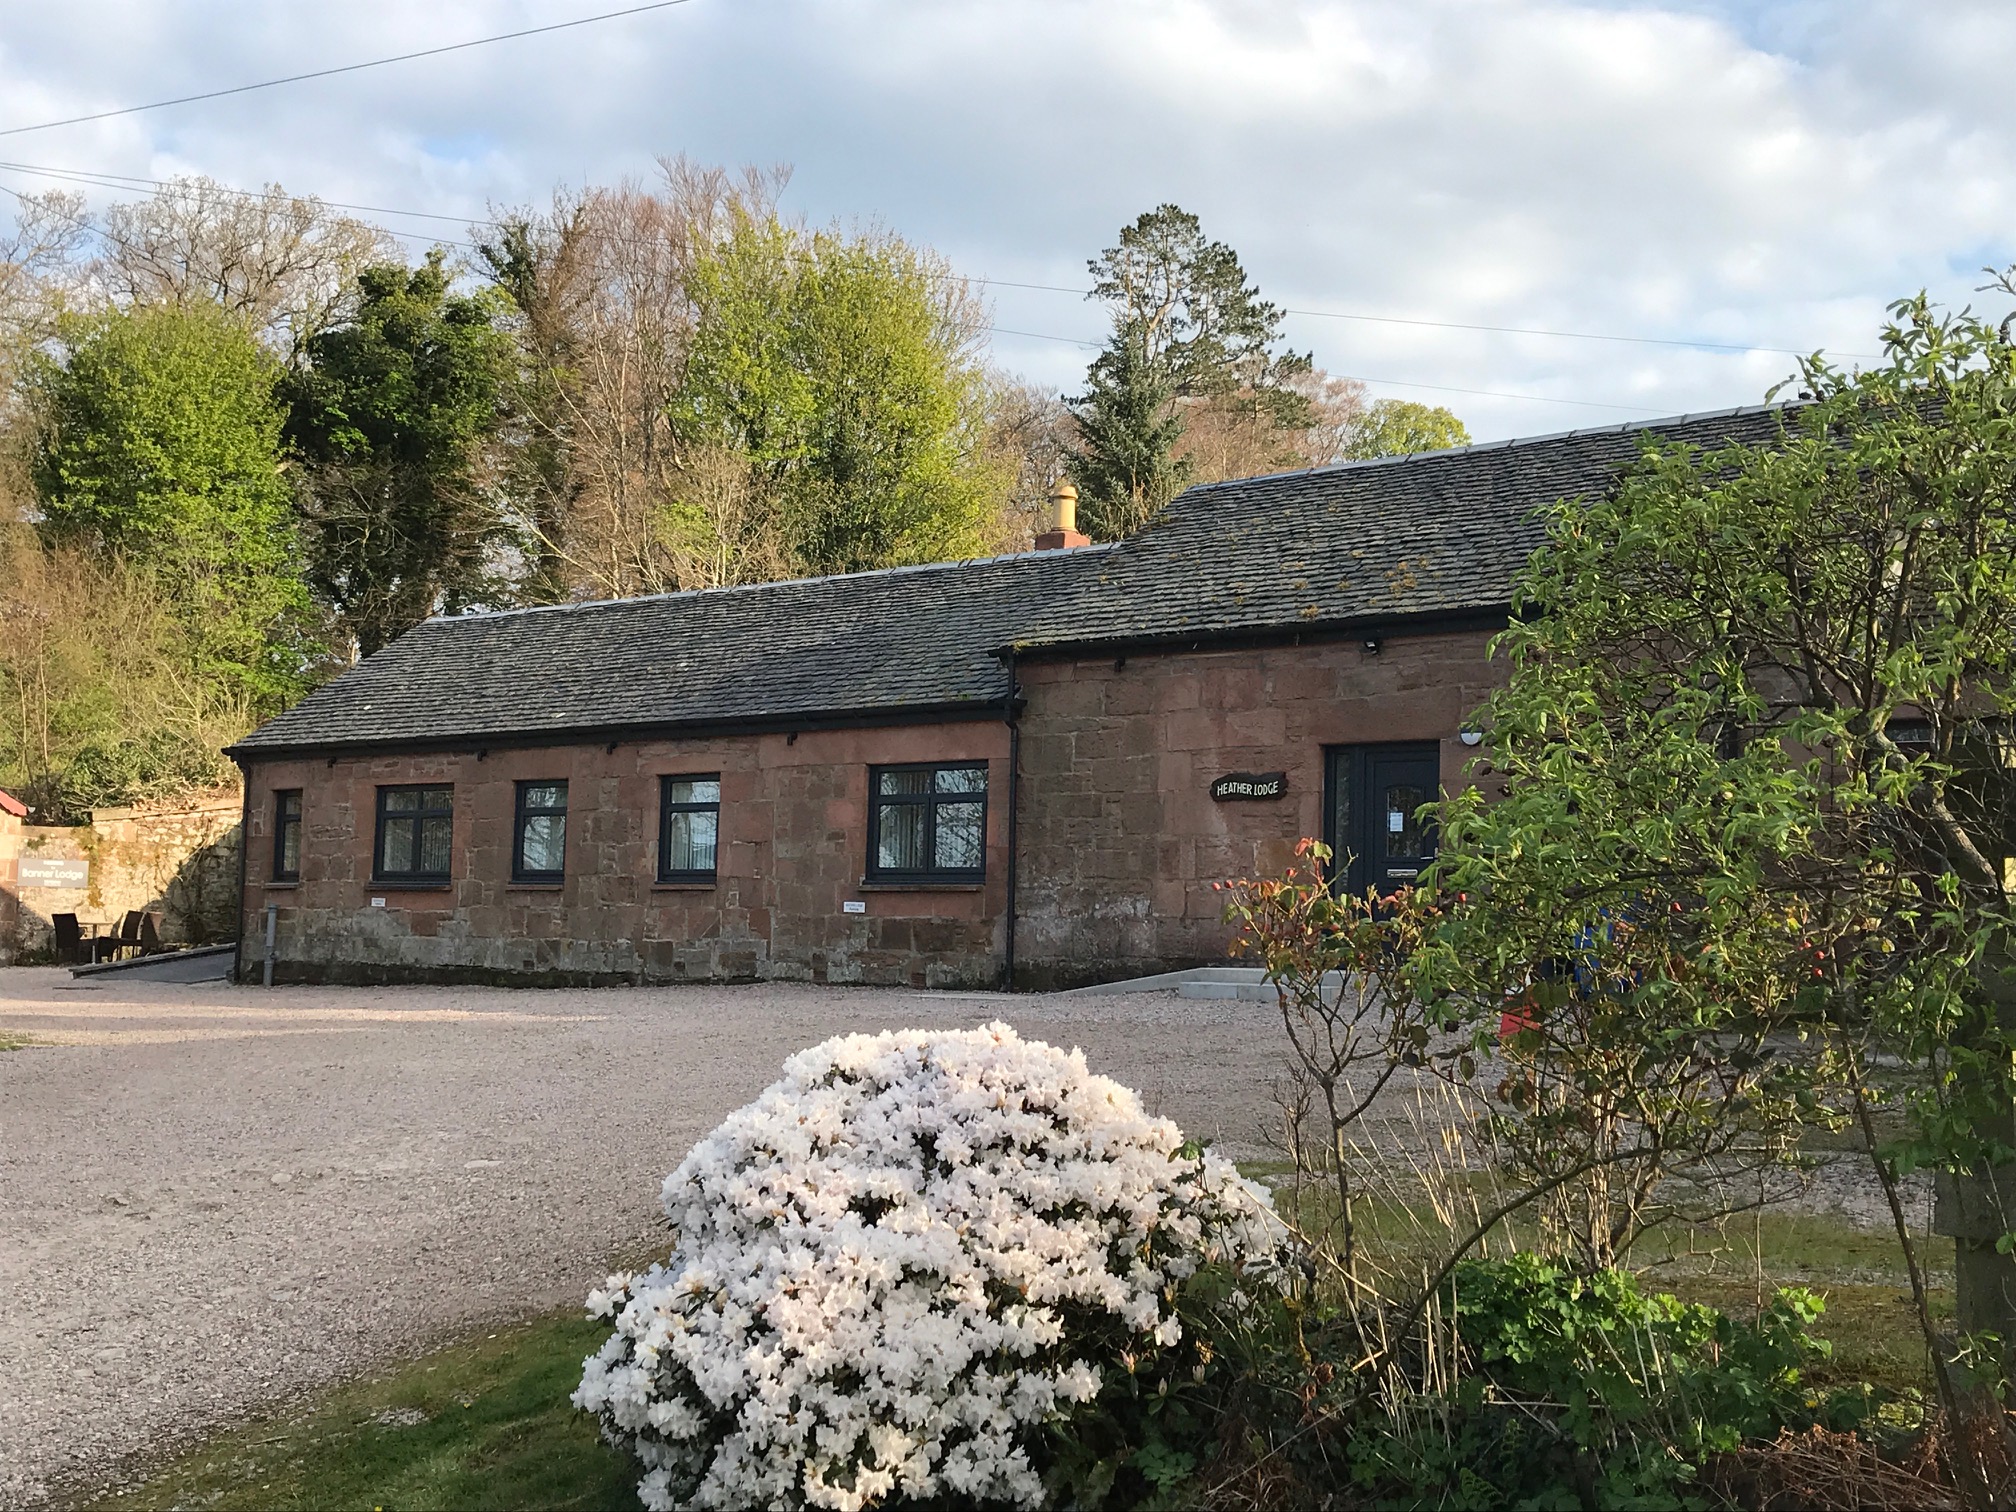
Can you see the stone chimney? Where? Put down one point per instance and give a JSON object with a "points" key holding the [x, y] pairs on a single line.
{"points": [[1064, 532]]}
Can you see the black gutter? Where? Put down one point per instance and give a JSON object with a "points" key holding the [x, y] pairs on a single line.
{"points": [[1432, 622], [244, 849], [695, 729], [1009, 713]]}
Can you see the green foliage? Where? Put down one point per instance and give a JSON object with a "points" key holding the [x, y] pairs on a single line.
{"points": [[390, 418], [840, 369], [1616, 1361], [1400, 427], [159, 444], [1758, 708], [1532, 1386]]}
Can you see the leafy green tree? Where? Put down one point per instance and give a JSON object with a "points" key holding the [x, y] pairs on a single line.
{"points": [[842, 370], [1399, 428], [1189, 332], [391, 419], [1759, 713], [159, 442]]}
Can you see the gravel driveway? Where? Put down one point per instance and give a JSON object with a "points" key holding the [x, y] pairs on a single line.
{"points": [[213, 1198]]}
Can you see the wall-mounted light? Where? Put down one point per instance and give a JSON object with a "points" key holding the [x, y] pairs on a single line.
{"points": [[1372, 643], [1471, 737]]}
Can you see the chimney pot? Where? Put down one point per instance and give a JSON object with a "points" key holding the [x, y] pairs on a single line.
{"points": [[1064, 527]]}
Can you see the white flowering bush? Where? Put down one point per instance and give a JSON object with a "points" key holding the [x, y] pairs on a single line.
{"points": [[898, 1266]]}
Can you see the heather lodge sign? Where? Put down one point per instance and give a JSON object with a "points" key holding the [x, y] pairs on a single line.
{"points": [[1239, 787]]}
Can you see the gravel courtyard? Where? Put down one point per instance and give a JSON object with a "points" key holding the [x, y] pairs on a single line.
{"points": [[216, 1197]]}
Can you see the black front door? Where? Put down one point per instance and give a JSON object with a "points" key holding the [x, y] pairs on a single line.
{"points": [[1374, 827]]}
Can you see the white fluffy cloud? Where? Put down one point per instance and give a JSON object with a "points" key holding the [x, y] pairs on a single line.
{"points": [[1740, 172]]}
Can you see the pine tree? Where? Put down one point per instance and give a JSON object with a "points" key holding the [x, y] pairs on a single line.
{"points": [[1189, 330], [1125, 468]]}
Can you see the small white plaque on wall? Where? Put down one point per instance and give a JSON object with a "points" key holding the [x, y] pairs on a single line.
{"points": [[854, 905], [377, 902]]}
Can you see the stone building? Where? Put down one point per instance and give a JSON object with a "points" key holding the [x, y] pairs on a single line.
{"points": [[1029, 768]]}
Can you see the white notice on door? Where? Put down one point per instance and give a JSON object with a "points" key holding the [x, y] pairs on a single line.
{"points": [[1395, 821]]}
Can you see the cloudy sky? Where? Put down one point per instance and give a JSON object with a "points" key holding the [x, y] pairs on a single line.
{"points": [[1763, 174]]}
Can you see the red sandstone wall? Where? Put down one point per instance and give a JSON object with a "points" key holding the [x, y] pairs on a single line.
{"points": [[792, 849], [1120, 838]]}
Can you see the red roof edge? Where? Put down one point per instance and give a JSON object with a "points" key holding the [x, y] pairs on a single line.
{"points": [[13, 805]]}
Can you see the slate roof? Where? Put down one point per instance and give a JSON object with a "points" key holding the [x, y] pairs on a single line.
{"points": [[902, 640], [1366, 543], [1438, 533]]}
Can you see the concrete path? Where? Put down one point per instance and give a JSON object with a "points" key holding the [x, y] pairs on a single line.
{"points": [[215, 1198]]}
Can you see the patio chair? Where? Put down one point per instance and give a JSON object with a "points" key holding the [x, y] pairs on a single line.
{"points": [[150, 935], [69, 938], [128, 937], [73, 948]]}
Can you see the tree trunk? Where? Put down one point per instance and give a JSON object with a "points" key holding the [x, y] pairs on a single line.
{"points": [[1977, 1208]]}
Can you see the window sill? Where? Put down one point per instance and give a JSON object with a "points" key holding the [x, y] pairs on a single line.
{"points": [[284, 883], [694, 886], [867, 886], [515, 885], [386, 884]]}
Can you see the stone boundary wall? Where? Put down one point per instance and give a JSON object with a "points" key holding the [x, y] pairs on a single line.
{"points": [[178, 859]]}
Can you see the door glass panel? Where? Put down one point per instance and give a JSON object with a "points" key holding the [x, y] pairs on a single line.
{"points": [[1398, 819], [1343, 838]]}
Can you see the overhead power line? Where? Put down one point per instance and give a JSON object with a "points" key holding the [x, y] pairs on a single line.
{"points": [[128, 184], [121, 181], [1461, 325], [1441, 388], [325, 73]]}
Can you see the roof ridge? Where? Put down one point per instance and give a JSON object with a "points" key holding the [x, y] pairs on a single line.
{"points": [[1095, 548], [1506, 444]]}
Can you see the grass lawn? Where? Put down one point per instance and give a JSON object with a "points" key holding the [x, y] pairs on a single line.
{"points": [[487, 1424], [484, 1424]]}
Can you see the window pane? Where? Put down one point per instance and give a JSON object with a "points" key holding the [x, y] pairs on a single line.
{"points": [[543, 845], [962, 780], [693, 790], [960, 836], [434, 839], [290, 847], [689, 841], [545, 795], [402, 800], [398, 855], [437, 797], [898, 783], [290, 805], [1403, 830], [899, 839]]}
